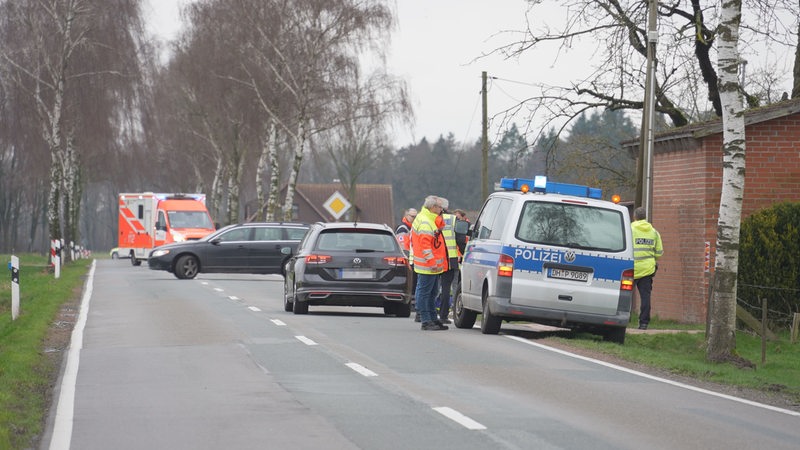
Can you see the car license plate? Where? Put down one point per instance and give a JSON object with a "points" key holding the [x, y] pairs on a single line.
{"points": [[356, 274], [574, 275]]}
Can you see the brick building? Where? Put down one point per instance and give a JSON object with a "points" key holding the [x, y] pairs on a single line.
{"points": [[373, 203], [687, 183]]}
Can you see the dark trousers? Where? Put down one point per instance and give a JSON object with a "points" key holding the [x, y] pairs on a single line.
{"points": [[446, 279], [645, 286]]}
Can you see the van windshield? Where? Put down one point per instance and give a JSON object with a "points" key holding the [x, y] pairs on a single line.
{"points": [[569, 225], [189, 219]]}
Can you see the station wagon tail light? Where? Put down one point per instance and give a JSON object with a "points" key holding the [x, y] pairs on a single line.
{"points": [[396, 261], [318, 259], [627, 280], [505, 266]]}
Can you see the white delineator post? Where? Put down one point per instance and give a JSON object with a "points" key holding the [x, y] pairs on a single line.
{"points": [[14, 287]]}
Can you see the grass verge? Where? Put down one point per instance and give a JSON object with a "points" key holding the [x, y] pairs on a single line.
{"points": [[27, 368], [684, 354]]}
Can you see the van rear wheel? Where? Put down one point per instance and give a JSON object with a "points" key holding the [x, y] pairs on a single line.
{"points": [[489, 323], [614, 334]]}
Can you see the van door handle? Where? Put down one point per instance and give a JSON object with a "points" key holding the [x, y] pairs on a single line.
{"points": [[565, 297]]}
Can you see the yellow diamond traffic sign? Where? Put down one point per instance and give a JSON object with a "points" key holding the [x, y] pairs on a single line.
{"points": [[337, 205]]}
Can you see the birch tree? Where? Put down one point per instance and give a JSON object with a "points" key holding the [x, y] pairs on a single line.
{"points": [[721, 337], [58, 52]]}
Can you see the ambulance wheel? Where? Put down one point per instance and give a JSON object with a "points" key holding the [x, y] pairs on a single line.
{"points": [[135, 261], [462, 317], [186, 268], [489, 323]]}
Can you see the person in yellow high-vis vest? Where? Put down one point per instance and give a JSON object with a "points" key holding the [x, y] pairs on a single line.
{"points": [[647, 249], [453, 255]]}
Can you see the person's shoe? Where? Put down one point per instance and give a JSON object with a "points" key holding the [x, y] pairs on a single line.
{"points": [[642, 327], [445, 321], [416, 318], [433, 326]]}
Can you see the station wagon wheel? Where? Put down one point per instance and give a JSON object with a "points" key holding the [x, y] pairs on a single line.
{"points": [[300, 307], [288, 301], [186, 267], [462, 317], [402, 310], [489, 323]]}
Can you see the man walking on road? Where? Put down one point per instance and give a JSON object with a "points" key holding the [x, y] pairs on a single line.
{"points": [[646, 251]]}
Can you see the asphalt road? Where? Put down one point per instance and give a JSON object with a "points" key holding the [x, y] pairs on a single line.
{"points": [[216, 363]]}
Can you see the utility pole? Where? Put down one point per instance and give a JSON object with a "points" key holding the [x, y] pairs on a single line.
{"points": [[644, 169], [485, 146]]}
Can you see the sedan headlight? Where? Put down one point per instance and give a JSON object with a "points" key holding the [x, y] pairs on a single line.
{"points": [[159, 253]]}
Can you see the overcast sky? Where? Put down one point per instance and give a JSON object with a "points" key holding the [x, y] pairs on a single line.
{"points": [[434, 48]]}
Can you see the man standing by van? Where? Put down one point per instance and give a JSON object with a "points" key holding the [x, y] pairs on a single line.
{"points": [[430, 260], [646, 251]]}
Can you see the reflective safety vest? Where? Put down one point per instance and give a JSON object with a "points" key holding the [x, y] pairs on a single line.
{"points": [[403, 233], [647, 248], [449, 233], [427, 245]]}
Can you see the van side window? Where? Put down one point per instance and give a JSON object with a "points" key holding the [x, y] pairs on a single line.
{"points": [[485, 219], [501, 218], [492, 219]]}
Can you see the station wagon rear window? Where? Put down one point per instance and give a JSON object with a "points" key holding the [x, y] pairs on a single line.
{"points": [[570, 225]]}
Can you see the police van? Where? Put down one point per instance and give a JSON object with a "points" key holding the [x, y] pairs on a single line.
{"points": [[551, 253]]}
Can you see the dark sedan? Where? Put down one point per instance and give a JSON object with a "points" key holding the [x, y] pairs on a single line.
{"points": [[348, 264], [260, 248]]}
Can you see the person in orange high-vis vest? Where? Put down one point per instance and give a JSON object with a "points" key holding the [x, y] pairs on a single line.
{"points": [[430, 259]]}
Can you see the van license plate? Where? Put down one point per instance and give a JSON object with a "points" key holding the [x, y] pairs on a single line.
{"points": [[574, 275]]}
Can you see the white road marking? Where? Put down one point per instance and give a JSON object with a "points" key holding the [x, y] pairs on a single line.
{"points": [[233, 297], [278, 322], [205, 283], [253, 308], [459, 418], [655, 378], [62, 427], [305, 340], [361, 369], [219, 289]]}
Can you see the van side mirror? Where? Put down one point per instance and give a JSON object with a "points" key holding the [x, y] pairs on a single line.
{"points": [[461, 227]]}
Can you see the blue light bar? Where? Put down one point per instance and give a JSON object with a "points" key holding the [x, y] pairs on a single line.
{"points": [[540, 184]]}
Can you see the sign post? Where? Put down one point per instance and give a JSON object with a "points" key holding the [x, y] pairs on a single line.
{"points": [[14, 266]]}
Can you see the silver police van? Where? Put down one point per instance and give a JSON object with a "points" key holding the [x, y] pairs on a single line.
{"points": [[551, 253]]}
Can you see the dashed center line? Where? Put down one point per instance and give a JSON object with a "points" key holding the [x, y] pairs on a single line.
{"points": [[254, 308], [219, 289], [459, 418], [278, 322], [305, 340], [361, 369], [233, 297]]}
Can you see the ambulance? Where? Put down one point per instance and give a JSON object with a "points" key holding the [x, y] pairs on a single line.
{"points": [[148, 220], [550, 253]]}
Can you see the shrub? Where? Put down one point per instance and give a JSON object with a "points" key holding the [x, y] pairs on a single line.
{"points": [[769, 262]]}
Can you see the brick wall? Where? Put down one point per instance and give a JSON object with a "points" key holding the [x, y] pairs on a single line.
{"points": [[687, 182]]}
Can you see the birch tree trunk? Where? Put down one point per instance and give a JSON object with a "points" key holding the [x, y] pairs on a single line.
{"points": [[300, 145], [721, 337], [264, 162]]}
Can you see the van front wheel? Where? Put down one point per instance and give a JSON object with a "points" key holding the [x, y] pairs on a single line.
{"points": [[462, 317]]}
